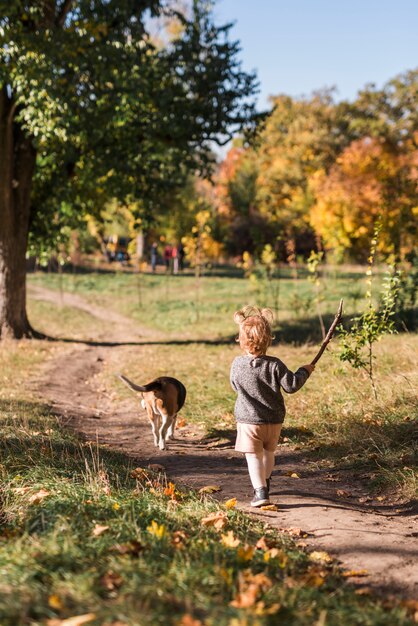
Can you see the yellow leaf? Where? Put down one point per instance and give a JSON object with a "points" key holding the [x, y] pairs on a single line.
{"points": [[99, 530], [320, 557], [210, 489], [245, 553], [355, 573], [218, 520], [116, 506], [231, 503], [157, 530], [77, 620], [269, 507], [55, 602], [229, 540]]}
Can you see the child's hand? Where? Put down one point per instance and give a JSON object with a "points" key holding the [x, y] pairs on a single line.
{"points": [[309, 367]]}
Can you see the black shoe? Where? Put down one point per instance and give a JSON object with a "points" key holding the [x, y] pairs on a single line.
{"points": [[261, 497]]}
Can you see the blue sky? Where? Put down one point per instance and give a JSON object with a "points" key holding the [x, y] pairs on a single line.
{"points": [[298, 46]]}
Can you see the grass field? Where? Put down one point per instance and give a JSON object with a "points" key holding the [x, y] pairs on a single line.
{"points": [[334, 418], [81, 535]]}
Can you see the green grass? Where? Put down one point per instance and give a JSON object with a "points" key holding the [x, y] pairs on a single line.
{"points": [[181, 306], [334, 418], [52, 565]]}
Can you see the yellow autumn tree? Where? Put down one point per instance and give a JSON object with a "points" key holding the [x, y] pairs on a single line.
{"points": [[371, 178]]}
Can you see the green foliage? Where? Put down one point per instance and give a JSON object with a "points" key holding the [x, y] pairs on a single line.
{"points": [[110, 114], [375, 321]]}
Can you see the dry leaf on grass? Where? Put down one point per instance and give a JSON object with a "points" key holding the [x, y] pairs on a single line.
{"points": [[20, 491], [320, 557], [37, 497], [139, 473], [229, 540], [111, 580], [189, 620], [132, 548], [179, 539], [156, 467], [250, 586], [77, 620], [157, 530], [245, 553], [55, 602], [210, 489], [231, 503], [218, 520], [99, 530]]}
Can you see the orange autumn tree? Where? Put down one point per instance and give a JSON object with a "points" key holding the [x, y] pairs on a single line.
{"points": [[372, 178], [301, 136]]}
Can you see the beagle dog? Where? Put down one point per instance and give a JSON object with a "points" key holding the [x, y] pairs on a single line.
{"points": [[162, 398]]}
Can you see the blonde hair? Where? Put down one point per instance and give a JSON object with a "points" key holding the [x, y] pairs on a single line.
{"points": [[255, 334]]}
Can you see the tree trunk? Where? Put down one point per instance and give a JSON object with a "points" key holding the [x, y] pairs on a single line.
{"points": [[17, 165]]}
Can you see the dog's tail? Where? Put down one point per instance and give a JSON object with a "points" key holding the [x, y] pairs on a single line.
{"points": [[135, 387]]}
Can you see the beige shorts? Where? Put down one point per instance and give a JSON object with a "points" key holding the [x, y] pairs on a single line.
{"points": [[257, 437]]}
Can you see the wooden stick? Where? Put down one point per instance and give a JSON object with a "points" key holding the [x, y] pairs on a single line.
{"points": [[330, 333]]}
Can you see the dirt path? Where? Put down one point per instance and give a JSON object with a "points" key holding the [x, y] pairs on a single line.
{"points": [[377, 537]]}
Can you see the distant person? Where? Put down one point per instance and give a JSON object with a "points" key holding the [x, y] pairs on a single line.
{"points": [[154, 256], [259, 408], [175, 257], [180, 255], [167, 257]]}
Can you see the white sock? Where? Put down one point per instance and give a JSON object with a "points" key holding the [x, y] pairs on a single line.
{"points": [[256, 469], [269, 462]]}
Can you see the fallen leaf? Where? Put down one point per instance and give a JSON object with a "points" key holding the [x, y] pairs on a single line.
{"points": [[249, 587], [77, 620], [269, 507], [139, 473], [157, 530], [133, 547], [294, 532], [179, 538], [156, 467], [189, 620], [355, 573], [229, 540], [218, 520], [111, 580], [181, 423], [231, 503], [20, 491], [210, 489], [116, 506], [320, 557], [40, 495], [55, 602], [342, 493], [170, 490], [99, 530], [262, 544], [245, 553]]}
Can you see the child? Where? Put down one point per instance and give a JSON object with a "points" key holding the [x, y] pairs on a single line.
{"points": [[259, 408]]}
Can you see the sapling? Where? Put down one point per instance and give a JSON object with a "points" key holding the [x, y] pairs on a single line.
{"points": [[357, 343], [313, 263]]}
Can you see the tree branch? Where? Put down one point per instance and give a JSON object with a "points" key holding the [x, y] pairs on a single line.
{"points": [[330, 333], [63, 12]]}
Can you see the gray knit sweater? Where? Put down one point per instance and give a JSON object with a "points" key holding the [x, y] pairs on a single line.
{"points": [[258, 382]]}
